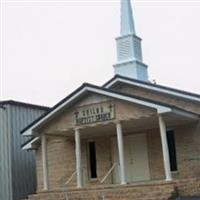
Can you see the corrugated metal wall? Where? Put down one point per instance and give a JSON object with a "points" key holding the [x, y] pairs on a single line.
{"points": [[5, 155], [18, 180]]}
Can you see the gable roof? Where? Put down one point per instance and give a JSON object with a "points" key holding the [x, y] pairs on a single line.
{"points": [[161, 108], [85, 88], [155, 87]]}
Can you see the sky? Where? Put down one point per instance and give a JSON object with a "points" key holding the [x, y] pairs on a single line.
{"points": [[49, 48]]}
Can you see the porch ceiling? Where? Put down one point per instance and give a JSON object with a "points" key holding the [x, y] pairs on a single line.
{"points": [[131, 126], [172, 120]]}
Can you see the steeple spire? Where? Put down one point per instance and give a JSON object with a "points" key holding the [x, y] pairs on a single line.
{"points": [[129, 51], [127, 22]]}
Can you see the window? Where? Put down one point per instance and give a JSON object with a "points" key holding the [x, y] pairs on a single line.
{"points": [[172, 150], [92, 160]]}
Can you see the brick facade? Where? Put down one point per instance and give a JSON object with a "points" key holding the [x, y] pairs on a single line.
{"points": [[61, 148], [61, 161], [61, 157]]}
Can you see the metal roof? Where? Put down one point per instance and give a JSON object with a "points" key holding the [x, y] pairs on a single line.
{"points": [[18, 103], [162, 88]]}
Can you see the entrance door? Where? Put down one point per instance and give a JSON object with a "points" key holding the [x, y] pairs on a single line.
{"points": [[136, 158]]}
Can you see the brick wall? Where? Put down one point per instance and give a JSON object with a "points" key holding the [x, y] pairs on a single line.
{"points": [[155, 155], [188, 151], [61, 157], [187, 139], [103, 152], [61, 161]]}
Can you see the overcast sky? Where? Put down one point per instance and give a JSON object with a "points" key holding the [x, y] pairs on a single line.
{"points": [[50, 49]]}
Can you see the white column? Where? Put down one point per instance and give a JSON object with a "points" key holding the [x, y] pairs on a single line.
{"points": [[121, 152], [165, 149], [78, 159], [44, 162]]}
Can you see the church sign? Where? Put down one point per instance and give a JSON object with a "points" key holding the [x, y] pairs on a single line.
{"points": [[95, 113]]}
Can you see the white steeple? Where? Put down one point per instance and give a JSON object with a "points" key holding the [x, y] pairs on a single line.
{"points": [[129, 52], [127, 24]]}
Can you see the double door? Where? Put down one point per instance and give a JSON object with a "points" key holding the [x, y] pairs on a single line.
{"points": [[136, 158]]}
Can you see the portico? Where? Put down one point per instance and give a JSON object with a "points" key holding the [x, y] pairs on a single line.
{"points": [[121, 153], [115, 136]]}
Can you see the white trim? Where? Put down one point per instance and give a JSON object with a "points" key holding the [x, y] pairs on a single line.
{"points": [[159, 108], [128, 35], [129, 61], [152, 88], [185, 114], [28, 133], [28, 146], [165, 149], [44, 162], [79, 168], [120, 144]]}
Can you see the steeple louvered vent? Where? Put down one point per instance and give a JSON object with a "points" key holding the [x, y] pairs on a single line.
{"points": [[125, 49]]}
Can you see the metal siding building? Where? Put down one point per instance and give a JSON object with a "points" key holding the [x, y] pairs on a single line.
{"points": [[17, 167]]}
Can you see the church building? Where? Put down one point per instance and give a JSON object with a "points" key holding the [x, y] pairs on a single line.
{"points": [[129, 139]]}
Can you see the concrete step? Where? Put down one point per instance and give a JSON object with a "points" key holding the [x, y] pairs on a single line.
{"points": [[142, 192], [158, 190]]}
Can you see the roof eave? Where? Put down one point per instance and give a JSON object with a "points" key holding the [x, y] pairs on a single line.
{"points": [[157, 88], [98, 90], [28, 146]]}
